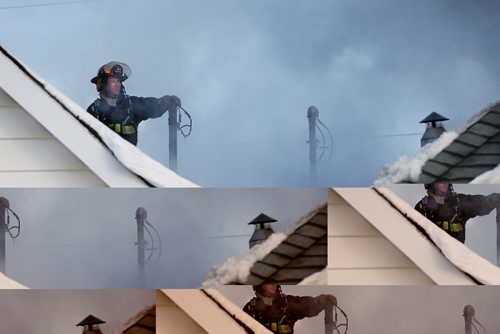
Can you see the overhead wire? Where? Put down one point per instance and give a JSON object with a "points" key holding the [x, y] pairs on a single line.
{"points": [[44, 4]]}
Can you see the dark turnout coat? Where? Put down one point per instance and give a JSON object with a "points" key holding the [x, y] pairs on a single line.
{"points": [[124, 118], [281, 316], [455, 212]]}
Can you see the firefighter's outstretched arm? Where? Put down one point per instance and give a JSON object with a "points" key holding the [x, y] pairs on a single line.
{"points": [[165, 100]]}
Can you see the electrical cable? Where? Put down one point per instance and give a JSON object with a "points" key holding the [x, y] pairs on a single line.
{"points": [[9, 228], [477, 321], [189, 126], [150, 249], [159, 240], [330, 136], [346, 324], [323, 146], [475, 328]]}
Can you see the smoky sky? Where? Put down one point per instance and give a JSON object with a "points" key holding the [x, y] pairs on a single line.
{"points": [[247, 72], [394, 309], [85, 238], [58, 311]]}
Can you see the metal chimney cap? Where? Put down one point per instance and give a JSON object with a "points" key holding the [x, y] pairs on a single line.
{"points": [[262, 219], [90, 320], [141, 213], [469, 310], [434, 117], [312, 111]]}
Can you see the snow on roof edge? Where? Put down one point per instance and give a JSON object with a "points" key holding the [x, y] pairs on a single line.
{"points": [[461, 256], [408, 168], [236, 269]]}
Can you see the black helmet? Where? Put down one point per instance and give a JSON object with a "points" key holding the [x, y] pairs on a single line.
{"points": [[112, 69], [256, 287], [428, 186]]}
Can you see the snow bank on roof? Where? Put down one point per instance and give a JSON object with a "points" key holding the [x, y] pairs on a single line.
{"points": [[129, 155], [237, 312], [409, 169], [319, 278], [456, 252], [9, 283], [236, 270]]}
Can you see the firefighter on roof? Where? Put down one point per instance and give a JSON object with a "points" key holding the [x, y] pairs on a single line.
{"points": [[451, 211], [279, 312], [120, 112]]}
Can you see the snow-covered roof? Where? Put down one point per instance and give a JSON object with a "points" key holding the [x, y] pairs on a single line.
{"points": [[115, 161], [143, 322], [213, 312], [286, 257], [459, 156], [9, 283], [444, 259]]}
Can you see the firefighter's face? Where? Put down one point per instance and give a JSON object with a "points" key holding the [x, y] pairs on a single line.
{"points": [[268, 290], [440, 189], [113, 87]]}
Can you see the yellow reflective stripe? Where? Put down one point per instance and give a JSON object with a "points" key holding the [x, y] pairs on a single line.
{"points": [[453, 227], [456, 227], [128, 129], [446, 225], [125, 129], [282, 329]]}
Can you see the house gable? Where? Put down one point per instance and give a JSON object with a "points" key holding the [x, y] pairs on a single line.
{"points": [[34, 157], [201, 311]]}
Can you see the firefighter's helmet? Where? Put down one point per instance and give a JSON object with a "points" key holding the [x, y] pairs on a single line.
{"points": [[112, 69]]}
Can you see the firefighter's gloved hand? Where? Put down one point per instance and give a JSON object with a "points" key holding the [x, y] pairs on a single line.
{"points": [[5, 202], [165, 100], [325, 300], [176, 99], [494, 198]]}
